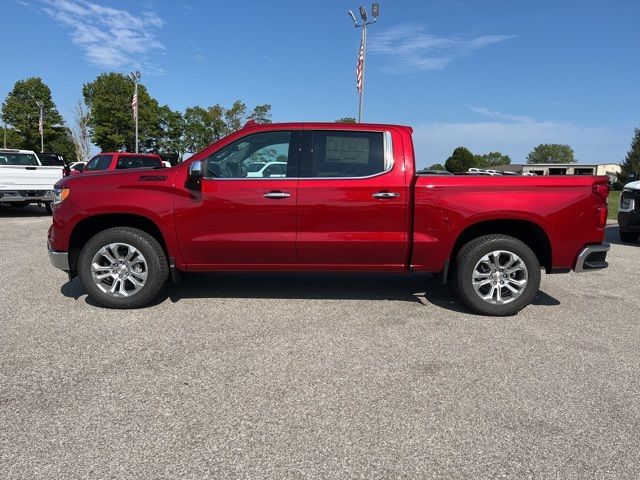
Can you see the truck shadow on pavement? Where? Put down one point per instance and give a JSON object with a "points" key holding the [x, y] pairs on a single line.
{"points": [[612, 236], [415, 288], [23, 212]]}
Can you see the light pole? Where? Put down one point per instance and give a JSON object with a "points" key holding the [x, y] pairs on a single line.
{"points": [[135, 78], [41, 124], [4, 125], [375, 12]]}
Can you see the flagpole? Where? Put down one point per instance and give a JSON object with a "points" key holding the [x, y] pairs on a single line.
{"points": [[41, 124], [135, 78], [364, 61], [362, 53], [135, 93]]}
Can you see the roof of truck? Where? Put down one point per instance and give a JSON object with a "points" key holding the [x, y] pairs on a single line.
{"points": [[130, 154]]}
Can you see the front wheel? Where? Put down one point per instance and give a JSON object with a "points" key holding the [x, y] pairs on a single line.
{"points": [[123, 267], [47, 205], [496, 275]]}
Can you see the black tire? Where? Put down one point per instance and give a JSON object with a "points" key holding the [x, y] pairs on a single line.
{"points": [[47, 205], [629, 237], [465, 263], [157, 266]]}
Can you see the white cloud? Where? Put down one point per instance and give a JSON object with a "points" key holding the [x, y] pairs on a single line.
{"points": [[110, 37], [434, 142], [410, 48]]}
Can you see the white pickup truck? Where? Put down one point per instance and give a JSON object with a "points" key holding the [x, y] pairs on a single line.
{"points": [[24, 180]]}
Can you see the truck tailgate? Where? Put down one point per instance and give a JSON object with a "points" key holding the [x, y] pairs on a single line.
{"points": [[18, 177]]}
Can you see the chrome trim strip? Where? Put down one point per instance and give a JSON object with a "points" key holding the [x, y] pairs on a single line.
{"points": [[579, 268], [59, 260]]}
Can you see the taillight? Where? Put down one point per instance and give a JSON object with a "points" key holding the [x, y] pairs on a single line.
{"points": [[602, 216], [601, 190]]}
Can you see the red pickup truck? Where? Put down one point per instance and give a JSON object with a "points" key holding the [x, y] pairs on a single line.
{"points": [[349, 200]]}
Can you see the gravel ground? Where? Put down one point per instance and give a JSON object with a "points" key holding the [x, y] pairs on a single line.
{"points": [[315, 376]]}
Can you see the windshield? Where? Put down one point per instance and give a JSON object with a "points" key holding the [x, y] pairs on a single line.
{"points": [[26, 159]]}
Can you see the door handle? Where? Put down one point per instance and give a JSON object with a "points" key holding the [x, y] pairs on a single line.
{"points": [[386, 195], [277, 194]]}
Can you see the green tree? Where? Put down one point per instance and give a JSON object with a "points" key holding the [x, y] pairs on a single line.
{"points": [[346, 120], [235, 116], [261, 113], [631, 164], [551, 153], [11, 138], [21, 113], [172, 127], [436, 166], [111, 123], [492, 159], [460, 160]]}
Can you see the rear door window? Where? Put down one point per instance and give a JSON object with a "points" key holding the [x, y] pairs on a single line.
{"points": [[131, 161], [99, 162], [342, 154]]}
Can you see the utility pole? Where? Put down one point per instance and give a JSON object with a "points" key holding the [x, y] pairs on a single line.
{"points": [[135, 78], [4, 128], [41, 124], [375, 12]]}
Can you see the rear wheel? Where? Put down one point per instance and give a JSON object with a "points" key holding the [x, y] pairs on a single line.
{"points": [[629, 237], [123, 267], [496, 275], [47, 205]]}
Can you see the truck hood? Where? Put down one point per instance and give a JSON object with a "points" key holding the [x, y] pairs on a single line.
{"points": [[132, 176], [633, 185]]}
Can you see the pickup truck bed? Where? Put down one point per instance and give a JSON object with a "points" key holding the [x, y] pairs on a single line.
{"points": [[350, 201]]}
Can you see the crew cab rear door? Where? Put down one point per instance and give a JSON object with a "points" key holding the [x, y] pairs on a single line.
{"points": [[237, 220], [352, 201]]}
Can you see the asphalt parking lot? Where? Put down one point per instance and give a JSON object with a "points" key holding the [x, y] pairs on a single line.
{"points": [[315, 376]]}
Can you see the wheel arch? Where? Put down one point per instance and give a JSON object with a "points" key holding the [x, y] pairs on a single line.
{"points": [[528, 232], [88, 227]]}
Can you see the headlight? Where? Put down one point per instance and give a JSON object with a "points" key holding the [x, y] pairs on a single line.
{"points": [[59, 194], [627, 204]]}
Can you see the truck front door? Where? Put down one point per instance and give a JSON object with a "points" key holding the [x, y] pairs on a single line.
{"points": [[238, 220]]}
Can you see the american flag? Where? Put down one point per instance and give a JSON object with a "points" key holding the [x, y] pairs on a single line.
{"points": [[360, 67], [134, 105], [41, 124]]}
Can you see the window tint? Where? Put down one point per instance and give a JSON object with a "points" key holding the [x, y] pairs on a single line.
{"points": [[131, 161], [345, 154], [261, 155], [26, 159], [100, 162]]}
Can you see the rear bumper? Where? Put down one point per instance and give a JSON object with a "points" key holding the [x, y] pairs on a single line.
{"points": [[59, 260], [592, 257]]}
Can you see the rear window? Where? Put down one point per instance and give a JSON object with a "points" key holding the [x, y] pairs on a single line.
{"points": [[99, 162], [345, 154], [26, 159], [137, 162]]}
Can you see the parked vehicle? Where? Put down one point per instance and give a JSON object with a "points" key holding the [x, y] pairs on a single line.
{"points": [[76, 167], [434, 172], [24, 180], [268, 170], [122, 161], [629, 212], [350, 201]]}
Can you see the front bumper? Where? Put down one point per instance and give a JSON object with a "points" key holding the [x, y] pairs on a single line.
{"points": [[10, 196], [629, 221], [592, 257], [59, 260]]}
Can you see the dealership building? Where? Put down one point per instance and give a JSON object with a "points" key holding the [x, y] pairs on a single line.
{"points": [[610, 169]]}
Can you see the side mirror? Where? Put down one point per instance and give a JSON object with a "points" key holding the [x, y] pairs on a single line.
{"points": [[196, 170], [80, 168]]}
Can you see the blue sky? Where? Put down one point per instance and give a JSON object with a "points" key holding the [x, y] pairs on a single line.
{"points": [[487, 74]]}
